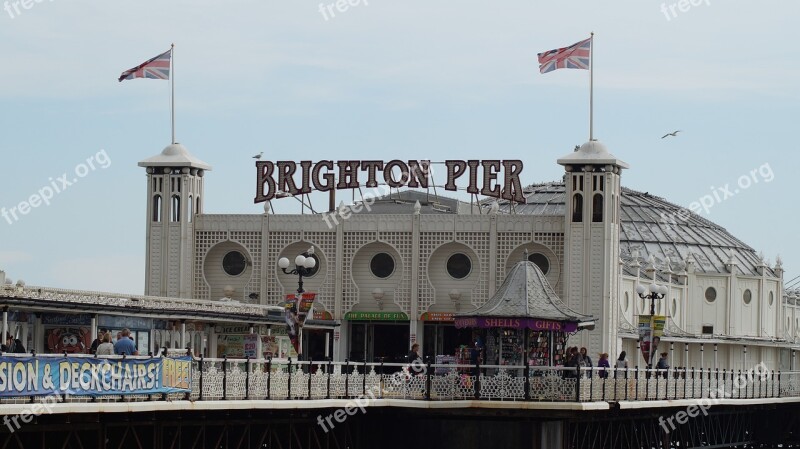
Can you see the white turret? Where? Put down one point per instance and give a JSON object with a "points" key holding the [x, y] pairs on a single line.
{"points": [[174, 197], [591, 241]]}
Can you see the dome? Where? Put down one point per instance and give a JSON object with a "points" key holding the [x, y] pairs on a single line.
{"points": [[175, 155], [655, 227], [176, 149], [594, 153]]}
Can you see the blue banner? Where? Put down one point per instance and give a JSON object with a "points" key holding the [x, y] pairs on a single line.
{"points": [[42, 376]]}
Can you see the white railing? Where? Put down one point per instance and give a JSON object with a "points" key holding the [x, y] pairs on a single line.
{"points": [[243, 379]]}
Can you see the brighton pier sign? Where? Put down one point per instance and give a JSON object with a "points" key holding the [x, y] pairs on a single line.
{"points": [[288, 178]]}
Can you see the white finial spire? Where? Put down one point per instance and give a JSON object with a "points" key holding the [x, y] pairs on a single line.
{"points": [[417, 208]]}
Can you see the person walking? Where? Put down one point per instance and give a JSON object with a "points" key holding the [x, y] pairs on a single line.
{"points": [[13, 345], [622, 363], [586, 361], [413, 354], [663, 365], [572, 362], [603, 363], [105, 347], [97, 341], [125, 345]]}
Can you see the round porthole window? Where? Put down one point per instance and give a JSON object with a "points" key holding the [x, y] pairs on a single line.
{"points": [[382, 265], [541, 261], [234, 263], [711, 294], [747, 297], [459, 266]]}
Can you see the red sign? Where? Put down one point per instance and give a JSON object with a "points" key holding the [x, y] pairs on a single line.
{"points": [[296, 312], [437, 316], [323, 315]]}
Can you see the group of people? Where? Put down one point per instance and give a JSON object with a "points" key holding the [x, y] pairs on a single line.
{"points": [[12, 345], [580, 359], [622, 363], [102, 345], [124, 344], [575, 358]]}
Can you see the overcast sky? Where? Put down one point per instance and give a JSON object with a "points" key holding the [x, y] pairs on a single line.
{"points": [[385, 79]]}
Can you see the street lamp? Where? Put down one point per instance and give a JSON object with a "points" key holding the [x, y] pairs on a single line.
{"points": [[297, 309], [303, 265], [656, 292]]}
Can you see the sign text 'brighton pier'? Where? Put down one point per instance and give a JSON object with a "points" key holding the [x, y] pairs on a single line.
{"points": [[288, 178]]}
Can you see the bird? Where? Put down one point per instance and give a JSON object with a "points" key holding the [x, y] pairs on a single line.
{"points": [[258, 156], [673, 134]]}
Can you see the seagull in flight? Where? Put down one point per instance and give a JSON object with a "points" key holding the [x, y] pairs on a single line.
{"points": [[258, 156], [673, 134]]}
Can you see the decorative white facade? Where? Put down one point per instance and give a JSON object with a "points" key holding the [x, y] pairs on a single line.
{"points": [[597, 240]]}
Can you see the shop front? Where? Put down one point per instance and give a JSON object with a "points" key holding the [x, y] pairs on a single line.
{"points": [[524, 323], [443, 341], [141, 330], [376, 336], [71, 334]]}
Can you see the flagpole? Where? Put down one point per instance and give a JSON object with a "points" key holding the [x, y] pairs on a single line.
{"points": [[591, 87], [172, 83]]}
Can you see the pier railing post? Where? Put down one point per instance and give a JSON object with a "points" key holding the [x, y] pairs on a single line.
{"points": [[247, 378], [578, 375], [477, 380], [527, 382], [636, 384], [346, 378], [380, 382], [310, 365], [202, 364], [289, 383], [269, 378], [225, 377], [428, 383], [364, 379], [329, 373]]}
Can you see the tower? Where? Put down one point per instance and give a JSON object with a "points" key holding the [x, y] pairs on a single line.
{"points": [[174, 197], [591, 241]]}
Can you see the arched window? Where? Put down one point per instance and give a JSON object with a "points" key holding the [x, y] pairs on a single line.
{"points": [[175, 209], [157, 208], [191, 208], [597, 208], [197, 209], [577, 208]]}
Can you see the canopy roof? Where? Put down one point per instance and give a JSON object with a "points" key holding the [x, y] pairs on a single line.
{"points": [[526, 294]]}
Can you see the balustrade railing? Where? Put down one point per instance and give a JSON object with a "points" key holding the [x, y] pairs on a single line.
{"points": [[285, 379]]}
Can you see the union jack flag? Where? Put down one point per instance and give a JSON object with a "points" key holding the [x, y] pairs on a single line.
{"points": [[576, 56], [156, 68]]}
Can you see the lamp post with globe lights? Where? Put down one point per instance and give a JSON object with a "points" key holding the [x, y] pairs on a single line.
{"points": [[656, 292], [303, 265], [298, 309]]}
